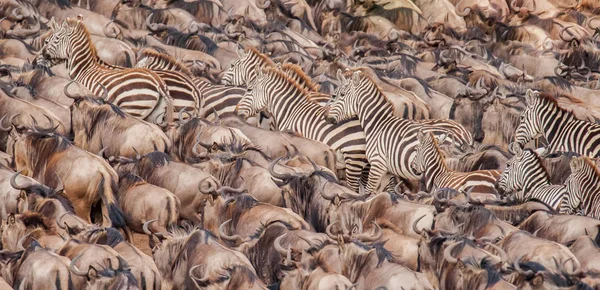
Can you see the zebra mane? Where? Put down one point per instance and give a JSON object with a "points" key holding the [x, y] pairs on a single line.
{"points": [[274, 71], [77, 24], [300, 73], [589, 162], [363, 75], [539, 161], [158, 56], [262, 56], [548, 98], [436, 147]]}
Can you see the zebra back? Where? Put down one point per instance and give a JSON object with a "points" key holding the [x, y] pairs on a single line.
{"points": [[583, 187], [563, 131], [186, 97], [138, 92]]}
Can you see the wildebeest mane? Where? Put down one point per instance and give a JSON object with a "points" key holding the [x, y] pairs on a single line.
{"points": [[102, 116], [485, 264], [33, 220], [234, 207], [382, 253], [41, 147], [514, 215], [128, 180]]}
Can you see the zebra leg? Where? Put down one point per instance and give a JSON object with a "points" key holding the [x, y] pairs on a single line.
{"points": [[377, 172], [353, 174]]}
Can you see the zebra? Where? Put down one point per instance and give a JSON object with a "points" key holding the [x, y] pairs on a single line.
{"points": [[429, 161], [563, 131], [526, 176], [583, 187], [275, 92], [186, 97], [391, 140], [138, 92]]}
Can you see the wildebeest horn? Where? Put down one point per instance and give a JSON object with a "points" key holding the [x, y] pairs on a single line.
{"points": [[154, 27], [146, 225], [528, 274], [74, 269], [138, 156], [328, 230], [21, 241], [371, 238], [501, 252], [60, 186], [314, 165], [5, 129], [282, 176], [462, 11], [60, 223], [229, 189], [264, 5], [414, 225], [197, 280], [237, 239], [180, 115], [13, 182], [448, 253], [561, 34], [66, 91], [16, 15], [23, 33], [212, 189], [123, 265], [38, 128], [282, 251], [101, 152]]}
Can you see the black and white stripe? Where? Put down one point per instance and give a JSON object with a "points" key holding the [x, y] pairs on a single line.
{"points": [[563, 131], [391, 141], [186, 97], [583, 187], [287, 101], [138, 92], [527, 178], [430, 162]]}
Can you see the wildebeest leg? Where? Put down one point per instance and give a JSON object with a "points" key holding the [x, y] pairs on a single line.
{"points": [[83, 209], [128, 234]]}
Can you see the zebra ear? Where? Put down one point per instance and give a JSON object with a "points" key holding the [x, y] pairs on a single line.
{"points": [[442, 138], [259, 71], [530, 96], [341, 77], [575, 164], [52, 24], [420, 136], [356, 78]]}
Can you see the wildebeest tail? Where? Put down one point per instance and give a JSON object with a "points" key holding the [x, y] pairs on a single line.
{"points": [[115, 214]]}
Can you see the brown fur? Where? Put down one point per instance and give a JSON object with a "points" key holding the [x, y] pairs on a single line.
{"points": [[308, 82]]}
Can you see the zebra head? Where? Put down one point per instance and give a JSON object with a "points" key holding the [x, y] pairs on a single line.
{"points": [[239, 71], [344, 103], [530, 125], [56, 46], [255, 99], [581, 180], [524, 165], [427, 144]]}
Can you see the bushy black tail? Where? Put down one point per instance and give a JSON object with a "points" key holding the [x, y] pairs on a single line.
{"points": [[115, 214]]}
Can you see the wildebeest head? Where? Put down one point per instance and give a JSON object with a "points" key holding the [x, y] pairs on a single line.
{"points": [[533, 275], [119, 278]]}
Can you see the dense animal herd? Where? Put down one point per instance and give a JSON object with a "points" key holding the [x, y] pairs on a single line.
{"points": [[300, 144]]}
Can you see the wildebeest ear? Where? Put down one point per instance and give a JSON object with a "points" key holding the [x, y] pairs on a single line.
{"points": [[11, 219], [79, 17], [538, 280], [356, 78], [214, 147], [341, 77], [92, 273], [461, 264]]}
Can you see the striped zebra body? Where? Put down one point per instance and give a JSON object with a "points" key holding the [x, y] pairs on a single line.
{"points": [[218, 98], [391, 141], [287, 101], [560, 128], [138, 92], [525, 175], [583, 187], [186, 97], [430, 162]]}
